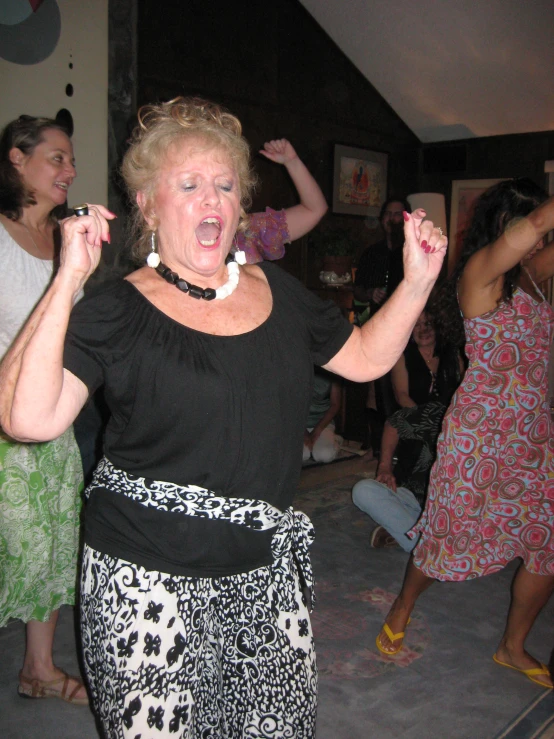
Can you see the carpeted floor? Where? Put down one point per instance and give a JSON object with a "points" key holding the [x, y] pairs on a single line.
{"points": [[444, 683], [443, 686]]}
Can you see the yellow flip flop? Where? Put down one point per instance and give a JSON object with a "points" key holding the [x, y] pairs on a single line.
{"points": [[531, 674], [392, 638]]}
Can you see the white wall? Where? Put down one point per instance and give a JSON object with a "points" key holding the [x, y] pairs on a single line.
{"points": [[40, 89], [451, 70]]}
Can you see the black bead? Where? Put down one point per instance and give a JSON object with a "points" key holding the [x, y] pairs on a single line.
{"points": [[196, 292], [182, 285]]}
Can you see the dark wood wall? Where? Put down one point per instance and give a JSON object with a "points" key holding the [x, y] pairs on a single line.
{"points": [[272, 65], [488, 157]]}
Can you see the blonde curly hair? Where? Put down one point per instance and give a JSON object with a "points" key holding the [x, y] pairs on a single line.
{"points": [[162, 125]]}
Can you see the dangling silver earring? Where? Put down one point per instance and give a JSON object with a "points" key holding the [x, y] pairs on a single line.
{"points": [[153, 259], [239, 255]]}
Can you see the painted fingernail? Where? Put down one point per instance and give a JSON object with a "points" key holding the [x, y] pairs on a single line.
{"points": [[109, 239], [406, 216], [423, 244]]}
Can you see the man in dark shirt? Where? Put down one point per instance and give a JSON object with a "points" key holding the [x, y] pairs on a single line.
{"points": [[379, 272], [380, 268]]}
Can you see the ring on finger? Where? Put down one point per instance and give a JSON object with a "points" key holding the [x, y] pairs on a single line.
{"points": [[81, 210], [440, 231]]}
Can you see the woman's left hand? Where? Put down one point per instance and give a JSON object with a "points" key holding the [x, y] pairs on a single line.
{"points": [[82, 238], [280, 151], [424, 250]]}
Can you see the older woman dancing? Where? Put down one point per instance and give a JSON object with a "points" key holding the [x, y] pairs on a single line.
{"points": [[491, 492], [196, 582]]}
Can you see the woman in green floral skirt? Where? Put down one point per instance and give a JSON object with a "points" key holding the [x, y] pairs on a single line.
{"points": [[40, 484]]}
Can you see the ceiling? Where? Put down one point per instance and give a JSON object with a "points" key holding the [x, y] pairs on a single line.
{"points": [[453, 69]]}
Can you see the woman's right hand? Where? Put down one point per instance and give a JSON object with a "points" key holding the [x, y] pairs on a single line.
{"points": [[387, 478], [424, 250], [280, 151], [82, 238]]}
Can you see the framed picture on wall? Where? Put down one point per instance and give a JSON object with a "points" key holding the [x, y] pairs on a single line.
{"points": [[464, 194], [359, 181]]}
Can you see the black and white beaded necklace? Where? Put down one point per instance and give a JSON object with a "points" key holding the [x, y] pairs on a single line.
{"points": [[200, 293]]}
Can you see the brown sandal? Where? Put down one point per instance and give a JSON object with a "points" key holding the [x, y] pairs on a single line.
{"points": [[47, 689]]}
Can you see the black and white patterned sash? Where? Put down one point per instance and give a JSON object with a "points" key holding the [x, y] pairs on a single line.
{"points": [[294, 532]]}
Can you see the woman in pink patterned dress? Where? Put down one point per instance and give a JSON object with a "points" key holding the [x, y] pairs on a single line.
{"points": [[491, 492]]}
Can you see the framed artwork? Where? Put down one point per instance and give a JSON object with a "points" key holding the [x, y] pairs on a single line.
{"points": [[464, 194], [359, 181]]}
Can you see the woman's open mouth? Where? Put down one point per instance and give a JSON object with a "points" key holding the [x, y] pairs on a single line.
{"points": [[209, 231]]}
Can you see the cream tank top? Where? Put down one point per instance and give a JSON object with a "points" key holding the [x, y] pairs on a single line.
{"points": [[23, 281]]}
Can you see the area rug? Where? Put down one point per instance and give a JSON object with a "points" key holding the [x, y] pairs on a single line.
{"points": [[348, 614]]}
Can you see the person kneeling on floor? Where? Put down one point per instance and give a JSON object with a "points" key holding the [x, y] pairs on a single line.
{"points": [[395, 498]]}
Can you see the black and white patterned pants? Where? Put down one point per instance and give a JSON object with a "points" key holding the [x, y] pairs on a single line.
{"points": [[201, 658]]}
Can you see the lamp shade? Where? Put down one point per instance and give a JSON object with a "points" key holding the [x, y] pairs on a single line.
{"points": [[433, 204]]}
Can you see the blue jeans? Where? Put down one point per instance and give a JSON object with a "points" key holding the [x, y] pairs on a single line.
{"points": [[396, 512]]}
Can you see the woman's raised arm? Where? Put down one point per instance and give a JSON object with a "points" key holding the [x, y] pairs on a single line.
{"points": [[39, 400], [306, 215], [373, 349], [490, 264]]}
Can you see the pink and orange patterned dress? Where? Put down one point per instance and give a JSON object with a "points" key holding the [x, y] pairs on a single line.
{"points": [[491, 492]]}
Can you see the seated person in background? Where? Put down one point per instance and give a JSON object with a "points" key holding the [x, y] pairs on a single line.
{"points": [[428, 369], [267, 233], [396, 497], [320, 441], [423, 379]]}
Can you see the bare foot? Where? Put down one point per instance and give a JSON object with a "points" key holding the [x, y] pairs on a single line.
{"points": [[522, 661], [397, 619]]}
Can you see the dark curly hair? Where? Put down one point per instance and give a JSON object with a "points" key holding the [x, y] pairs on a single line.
{"points": [[492, 212], [25, 133]]}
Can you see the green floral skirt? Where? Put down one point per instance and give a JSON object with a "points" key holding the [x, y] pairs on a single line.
{"points": [[40, 503]]}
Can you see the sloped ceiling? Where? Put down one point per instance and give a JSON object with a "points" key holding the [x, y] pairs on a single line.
{"points": [[452, 69]]}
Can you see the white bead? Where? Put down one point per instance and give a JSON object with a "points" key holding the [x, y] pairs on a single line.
{"points": [[153, 259], [222, 292], [232, 268]]}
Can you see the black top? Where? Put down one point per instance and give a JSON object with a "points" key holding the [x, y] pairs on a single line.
{"points": [[418, 428], [422, 384], [222, 412], [380, 266]]}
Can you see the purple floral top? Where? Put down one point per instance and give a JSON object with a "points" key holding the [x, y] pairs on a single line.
{"points": [[265, 237]]}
